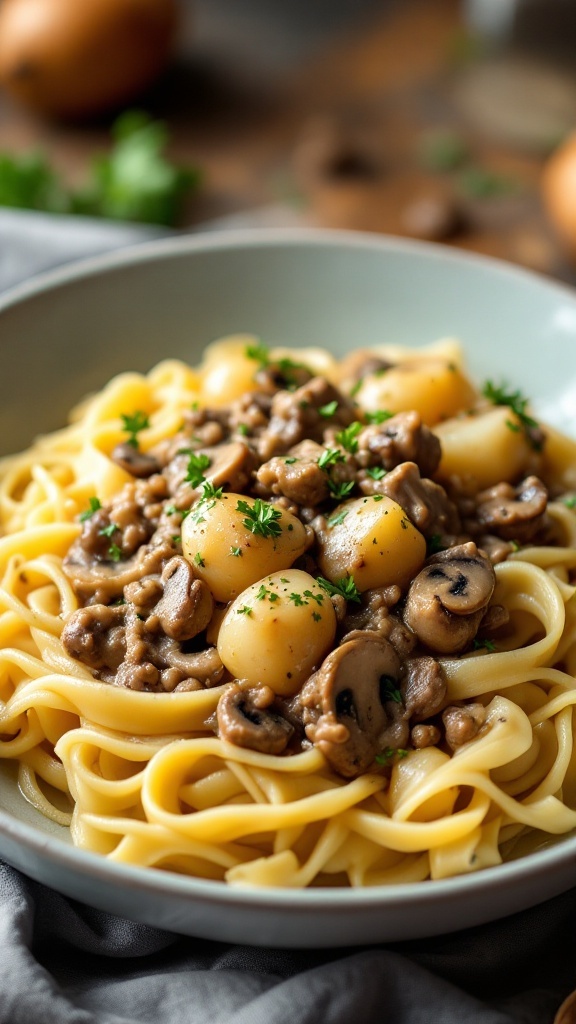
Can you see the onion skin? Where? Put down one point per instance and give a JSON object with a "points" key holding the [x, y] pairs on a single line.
{"points": [[75, 58]]}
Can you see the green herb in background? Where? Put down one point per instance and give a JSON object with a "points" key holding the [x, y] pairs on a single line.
{"points": [[28, 183], [134, 181]]}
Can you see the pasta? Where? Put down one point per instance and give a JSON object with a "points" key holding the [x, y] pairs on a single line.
{"points": [[283, 620]]}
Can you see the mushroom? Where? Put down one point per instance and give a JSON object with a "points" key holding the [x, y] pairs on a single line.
{"points": [[513, 513], [230, 467], [462, 724], [448, 598], [130, 458], [246, 718], [186, 606], [357, 713], [423, 688]]}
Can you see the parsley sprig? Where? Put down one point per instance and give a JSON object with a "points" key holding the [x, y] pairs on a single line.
{"points": [[348, 437], [499, 395], [133, 424], [197, 463], [345, 587], [261, 518]]}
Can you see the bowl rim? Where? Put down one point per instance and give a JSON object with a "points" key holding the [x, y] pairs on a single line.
{"points": [[221, 239]]}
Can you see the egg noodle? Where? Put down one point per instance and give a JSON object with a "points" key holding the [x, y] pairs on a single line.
{"points": [[143, 777]]}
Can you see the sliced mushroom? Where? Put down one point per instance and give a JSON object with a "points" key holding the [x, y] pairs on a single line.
{"points": [[246, 718], [130, 458], [423, 688], [448, 598], [513, 513], [356, 717], [186, 606]]}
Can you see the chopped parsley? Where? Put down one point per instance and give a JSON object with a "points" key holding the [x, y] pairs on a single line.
{"points": [[569, 502], [244, 610], [335, 520], [198, 560], [376, 472], [133, 423], [328, 410], [388, 755], [487, 645], [243, 429], [329, 457], [389, 690], [115, 552], [379, 416], [348, 437], [340, 489], [209, 491], [237, 552], [108, 531], [345, 587], [195, 470], [94, 505], [498, 395], [261, 518]]}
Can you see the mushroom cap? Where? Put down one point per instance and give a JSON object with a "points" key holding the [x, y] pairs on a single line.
{"points": [[246, 719], [351, 689], [447, 599]]}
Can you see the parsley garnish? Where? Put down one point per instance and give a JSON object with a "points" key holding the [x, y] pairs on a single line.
{"points": [[487, 645], [209, 491], [329, 457], [133, 424], [259, 353], [237, 552], [328, 410], [108, 531], [94, 504], [515, 401], [261, 518], [115, 552], [389, 753], [196, 466], [346, 587], [340, 489], [338, 518], [389, 690], [244, 610], [571, 501], [379, 416], [198, 560], [376, 472], [347, 437], [243, 429]]}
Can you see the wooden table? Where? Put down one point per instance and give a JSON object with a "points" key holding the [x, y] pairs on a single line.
{"points": [[388, 127]]}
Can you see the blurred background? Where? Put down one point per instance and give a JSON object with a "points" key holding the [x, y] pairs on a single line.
{"points": [[447, 120]]}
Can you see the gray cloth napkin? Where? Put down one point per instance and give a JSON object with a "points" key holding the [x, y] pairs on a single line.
{"points": [[62, 962]]}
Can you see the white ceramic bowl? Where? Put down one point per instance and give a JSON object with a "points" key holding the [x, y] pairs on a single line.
{"points": [[68, 332]]}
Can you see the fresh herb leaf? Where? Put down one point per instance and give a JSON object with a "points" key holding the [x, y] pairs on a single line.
{"points": [[498, 395], [328, 410], [198, 560], [261, 518], [115, 552], [209, 491], [340, 489], [133, 423], [389, 690], [259, 353], [347, 437], [487, 645], [94, 505], [571, 501], [135, 181], [345, 586], [379, 416], [376, 472], [195, 470], [389, 753], [237, 552], [338, 518], [329, 457], [28, 182], [108, 531]]}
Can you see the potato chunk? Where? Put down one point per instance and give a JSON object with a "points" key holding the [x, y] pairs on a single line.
{"points": [[374, 542], [277, 631]]}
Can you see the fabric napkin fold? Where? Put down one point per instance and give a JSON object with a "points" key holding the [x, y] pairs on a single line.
{"points": [[63, 962]]}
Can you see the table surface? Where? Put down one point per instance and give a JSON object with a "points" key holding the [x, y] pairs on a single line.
{"points": [[393, 120]]}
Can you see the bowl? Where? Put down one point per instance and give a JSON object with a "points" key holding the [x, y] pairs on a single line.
{"points": [[66, 333]]}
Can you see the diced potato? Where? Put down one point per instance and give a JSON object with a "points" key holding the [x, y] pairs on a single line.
{"points": [[490, 447], [374, 542], [277, 631], [219, 540], [435, 388]]}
